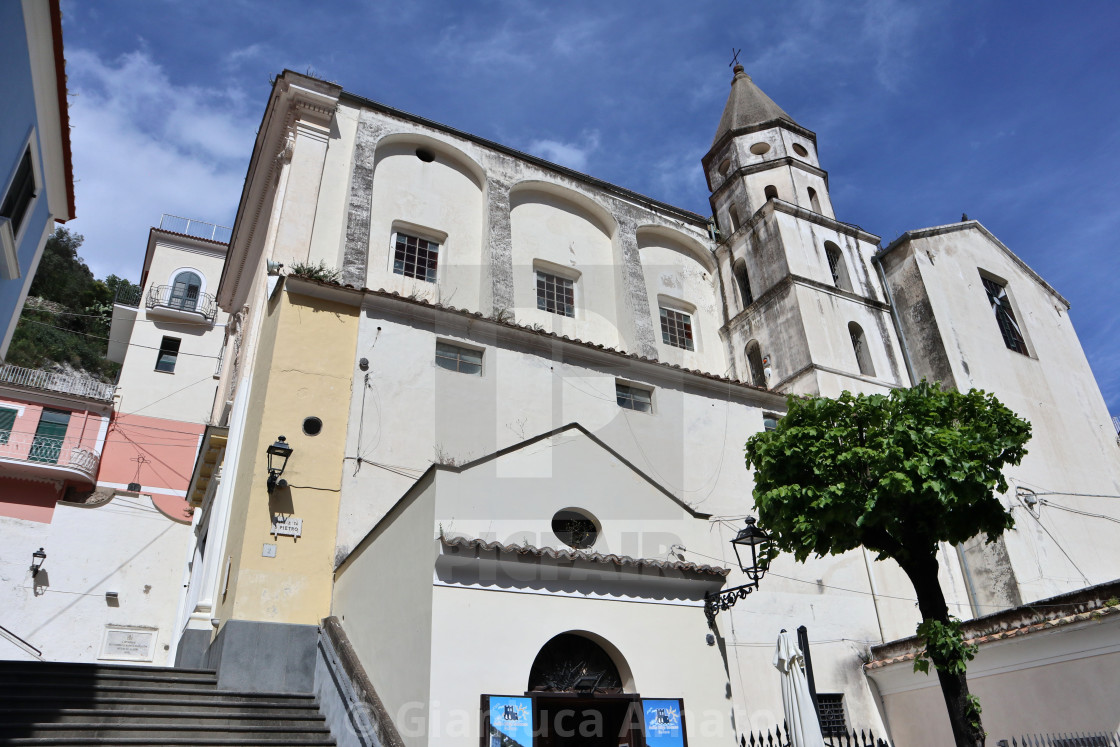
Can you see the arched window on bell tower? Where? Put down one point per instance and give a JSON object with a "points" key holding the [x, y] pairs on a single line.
{"points": [[744, 283], [770, 191], [859, 345], [814, 201], [837, 267], [754, 364]]}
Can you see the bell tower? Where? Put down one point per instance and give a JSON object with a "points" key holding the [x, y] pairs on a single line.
{"points": [[806, 309]]}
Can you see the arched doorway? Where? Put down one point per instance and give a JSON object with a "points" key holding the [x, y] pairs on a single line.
{"points": [[579, 695]]}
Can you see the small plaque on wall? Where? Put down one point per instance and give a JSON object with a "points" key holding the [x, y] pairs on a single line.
{"points": [[124, 643], [289, 527]]}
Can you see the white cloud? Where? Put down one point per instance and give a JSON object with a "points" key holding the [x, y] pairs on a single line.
{"points": [[572, 155], [143, 146]]}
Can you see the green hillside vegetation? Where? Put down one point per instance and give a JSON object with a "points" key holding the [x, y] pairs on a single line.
{"points": [[66, 319]]}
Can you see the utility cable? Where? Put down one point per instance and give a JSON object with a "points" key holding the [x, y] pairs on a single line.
{"points": [[109, 339]]}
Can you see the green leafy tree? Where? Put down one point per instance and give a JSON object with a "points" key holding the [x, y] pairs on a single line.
{"points": [[896, 474], [68, 314]]}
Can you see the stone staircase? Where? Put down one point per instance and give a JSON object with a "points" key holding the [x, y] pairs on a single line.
{"points": [[56, 703]]}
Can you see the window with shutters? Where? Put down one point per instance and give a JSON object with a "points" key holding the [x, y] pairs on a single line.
{"points": [[168, 354], [185, 288], [47, 444], [7, 423], [1005, 315], [20, 193]]}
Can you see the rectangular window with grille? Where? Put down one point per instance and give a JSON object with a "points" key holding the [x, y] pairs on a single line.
{"points": [[676, 329], [460, 360], [830, 708], [633, 397], [556, 294], [415, 257], [1005, 316]]}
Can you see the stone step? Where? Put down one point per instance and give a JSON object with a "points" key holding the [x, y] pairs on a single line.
{"points": [[38, 668], [158, 732], [15, 719], [290, 739], [98, 678], [39, 690], [40, 711]]}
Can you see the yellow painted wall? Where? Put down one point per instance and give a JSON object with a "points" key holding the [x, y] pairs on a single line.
{"points": [[303, 368]]}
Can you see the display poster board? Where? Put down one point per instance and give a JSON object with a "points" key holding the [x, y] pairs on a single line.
{"points": [[510, 722], [663, 722]]}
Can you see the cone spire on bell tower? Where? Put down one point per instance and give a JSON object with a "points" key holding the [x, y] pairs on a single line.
{"points": [[746, 105]]}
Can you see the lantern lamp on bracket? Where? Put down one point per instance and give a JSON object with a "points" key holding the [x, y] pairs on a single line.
{"points": [[754, 538], [37, 559], [278, 454]]}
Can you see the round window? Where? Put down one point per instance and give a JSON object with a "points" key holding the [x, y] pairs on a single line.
{"points": [[575, 528], [760, 148], [312, 426], [725, 167], [799, 149], [425, 155]]}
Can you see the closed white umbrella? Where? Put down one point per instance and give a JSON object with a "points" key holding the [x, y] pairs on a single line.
{"points": [[801, 716]]}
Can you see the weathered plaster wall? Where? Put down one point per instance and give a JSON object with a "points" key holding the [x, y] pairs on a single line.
{"points": [[306, 352], [126, 545], [1073, 448]]}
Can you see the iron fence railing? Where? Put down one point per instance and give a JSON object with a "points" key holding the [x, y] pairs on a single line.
{"points": [[169, 297], [48, 450], [53, 381], [199, 228], [779, 737], [1077, 739], [129, 295]]}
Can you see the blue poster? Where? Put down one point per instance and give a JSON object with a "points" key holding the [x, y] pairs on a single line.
{"points": [[664, 726], [511, 722]]}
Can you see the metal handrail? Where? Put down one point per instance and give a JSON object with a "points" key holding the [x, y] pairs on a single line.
{"points": [[198, 228], [203, 303], [27, 645], [53, 381], [48, 450]]}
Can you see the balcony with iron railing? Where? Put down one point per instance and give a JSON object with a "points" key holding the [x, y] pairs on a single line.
{"points": [[55, 381], [30, 455], [181, 304], [197, 228]]}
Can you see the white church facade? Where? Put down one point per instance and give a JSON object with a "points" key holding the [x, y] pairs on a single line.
{"points": [[513, 400]]}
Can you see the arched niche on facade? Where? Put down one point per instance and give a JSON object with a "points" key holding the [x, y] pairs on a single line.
{"points": [[421, 146], [565, 199], [577, 655], [680, 242], [428, 190]]}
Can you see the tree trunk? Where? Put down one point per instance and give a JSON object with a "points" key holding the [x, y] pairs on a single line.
{"points": [[954, 687]]}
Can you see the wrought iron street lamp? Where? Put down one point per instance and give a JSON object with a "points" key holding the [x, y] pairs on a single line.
{"points": [[278, 454], [37, 559], [751, 537]]}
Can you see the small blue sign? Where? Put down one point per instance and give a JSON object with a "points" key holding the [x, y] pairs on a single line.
{"points": [[664, 727], [513, 719]]}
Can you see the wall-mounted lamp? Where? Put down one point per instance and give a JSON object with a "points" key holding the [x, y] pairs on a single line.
{"points": [[37, 559], [273, 267], [278, 455], [751, 537]]}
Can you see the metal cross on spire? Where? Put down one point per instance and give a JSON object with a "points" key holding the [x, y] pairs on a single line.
{"points": [[734, 57]]}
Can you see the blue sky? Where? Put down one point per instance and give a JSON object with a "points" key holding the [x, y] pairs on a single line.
{"points": [[923, 110]]}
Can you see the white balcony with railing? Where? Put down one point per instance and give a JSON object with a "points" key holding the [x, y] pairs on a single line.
{"points": [[46, 457], [53, 381]]}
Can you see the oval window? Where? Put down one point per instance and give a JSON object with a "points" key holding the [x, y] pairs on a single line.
{"points": [[799, 149], [312, 426], [725, 167], [760, 148], [575, 528], [425, 155]]}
